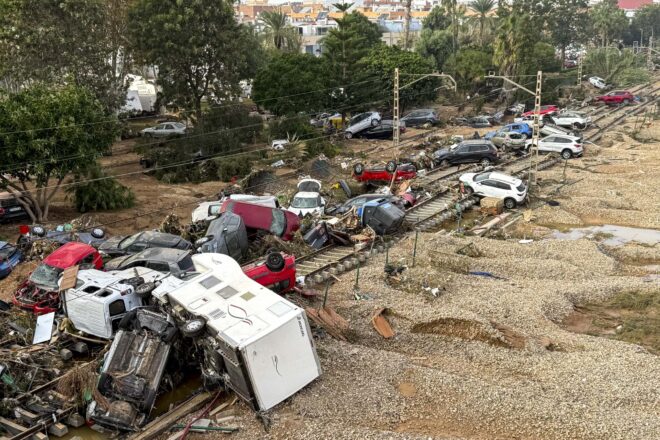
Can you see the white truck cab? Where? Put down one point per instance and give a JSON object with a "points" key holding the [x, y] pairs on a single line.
{"points": [[100, 299]]}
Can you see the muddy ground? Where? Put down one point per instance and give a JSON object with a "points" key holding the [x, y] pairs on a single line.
{"points": [[560, 342]]}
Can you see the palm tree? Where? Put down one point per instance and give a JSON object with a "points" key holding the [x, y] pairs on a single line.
{"points": [[483, 9], [280, 34]]}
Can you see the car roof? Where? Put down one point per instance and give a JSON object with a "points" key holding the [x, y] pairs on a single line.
{"points": [[162, 254], [159, 238], [68, 254], [569, 136], [306, 195], [503, 177], [476, 142]]}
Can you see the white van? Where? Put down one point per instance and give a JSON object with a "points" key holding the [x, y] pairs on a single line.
{"points": [[207, 211], [255, 342]]}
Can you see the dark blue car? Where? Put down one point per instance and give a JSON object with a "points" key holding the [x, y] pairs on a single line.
{"points": [[9, 258]]}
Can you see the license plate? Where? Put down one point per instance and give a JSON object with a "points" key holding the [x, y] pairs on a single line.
{"points": [[15, 208]]}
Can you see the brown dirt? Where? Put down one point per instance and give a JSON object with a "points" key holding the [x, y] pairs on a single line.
{"points": [[9, 285], [495, 335]]}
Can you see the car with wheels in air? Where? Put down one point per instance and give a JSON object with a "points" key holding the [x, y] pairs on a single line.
{"points": [[40, 292], [277, 271], [384, 174], [616, 97], [567, 146], [425, 118], [479, 151], [511, 190], [361, 122]]}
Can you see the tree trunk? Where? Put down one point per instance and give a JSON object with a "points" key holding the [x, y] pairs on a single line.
{"points": [[563, 56], [406, 35]]}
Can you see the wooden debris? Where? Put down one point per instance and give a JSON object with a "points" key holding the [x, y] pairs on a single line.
{"points": [[329, 320], [492, 205], [381, 324]]}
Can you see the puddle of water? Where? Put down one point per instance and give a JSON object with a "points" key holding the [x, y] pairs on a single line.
{"points": [[612, 235]]}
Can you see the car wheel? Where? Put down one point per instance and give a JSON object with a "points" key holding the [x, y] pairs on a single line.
{"points": [[484, 162], [358, 169], [390, 167], [98, 233], [468, 190], [509, 203], [444, 163], [194, 327], [523, 136], [375, 122], [275, 262], [348, 135], [144, 290], [578, 126], [626, 102], [427, 125], [566, 154]]}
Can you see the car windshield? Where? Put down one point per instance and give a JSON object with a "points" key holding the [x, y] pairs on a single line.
{"points": [[126, 242], [482, 176], [304, 202], [45, 275], [278, 225], [7, 252]]}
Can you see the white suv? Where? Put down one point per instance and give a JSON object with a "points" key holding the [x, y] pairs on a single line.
{"points": [[493, 184], [597, 82], [571, 119], [362, 122], [566, 145], [308, 200]]}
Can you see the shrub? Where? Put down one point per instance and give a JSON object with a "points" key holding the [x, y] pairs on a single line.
{"points": [[100, 193]]}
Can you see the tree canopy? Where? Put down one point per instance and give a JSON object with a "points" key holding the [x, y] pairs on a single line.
{"points": [[608, 21], [46, 134]]}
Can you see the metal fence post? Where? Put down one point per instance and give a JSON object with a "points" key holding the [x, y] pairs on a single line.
{"points": [[415, 247]]}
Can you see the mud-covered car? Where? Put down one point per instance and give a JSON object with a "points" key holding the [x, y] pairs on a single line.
{"points": [[382, 216], [40, 292], [132, 244], [174, 261], [133, 369], [225, 235]]}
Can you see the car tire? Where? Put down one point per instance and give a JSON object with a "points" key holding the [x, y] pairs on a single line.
{"points": [[509, 203], [275, 262], [193, 327], [427, 125], [98, 233], [485, 162], [375, 122], [524, 136], [391, 166], [358, 169], [39, 231], [348, 135], [272, 251], [578, 126], [144, 290], [566, 154], [468, 190], [444, 163]]}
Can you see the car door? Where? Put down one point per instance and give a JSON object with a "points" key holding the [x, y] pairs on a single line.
{"points": [[137, 247], [487, 188], [460, 155]]}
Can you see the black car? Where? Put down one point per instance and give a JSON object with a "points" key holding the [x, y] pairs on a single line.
{"points": [[174, 261], [384, 130], [10, 209], [478, 151], [132, 244], [225, 235], [425, 118]]}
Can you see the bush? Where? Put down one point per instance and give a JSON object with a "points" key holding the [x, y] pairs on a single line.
{"points": [[290, 127], [317, 147], [230, 168], [102, 194]]}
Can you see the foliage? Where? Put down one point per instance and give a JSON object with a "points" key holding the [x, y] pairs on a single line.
{"points": [[200, 50], [435, 44], [467, 67], [543, 58], [316, 147], [437, 20], [285, 84], [608, 21], [484, 19], [231, 169], [381, 63], [279, 34], [291, 127], [45, 134], [610, 63], [99, 192], [647, 20], [60, 42], [567, 21]]}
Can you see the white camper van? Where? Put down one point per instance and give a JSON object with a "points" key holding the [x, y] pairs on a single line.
{"points": [[255, 342]]}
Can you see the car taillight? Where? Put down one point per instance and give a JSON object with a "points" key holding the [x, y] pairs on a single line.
{"points": [[2, 211], [578, 146]]}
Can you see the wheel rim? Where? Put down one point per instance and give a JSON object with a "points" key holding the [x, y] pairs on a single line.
{"points": [[510, 204], [485, 163], [194, 326]]}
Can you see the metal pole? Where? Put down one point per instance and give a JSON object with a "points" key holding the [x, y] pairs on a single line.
{"points": [[357, 275], [537, 128], [325, 295], [649, 55], [387, 255], [579, 72], [395, 112], [415, 247]]}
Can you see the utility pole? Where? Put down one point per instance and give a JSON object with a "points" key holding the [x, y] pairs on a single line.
{"points": [[395, 111], [649, 55], [537, 115], [579, 73]]}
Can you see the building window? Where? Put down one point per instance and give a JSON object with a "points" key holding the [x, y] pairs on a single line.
{"points": [[309, 49]]}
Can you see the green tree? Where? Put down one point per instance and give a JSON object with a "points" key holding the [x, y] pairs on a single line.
{"points": [[436, 45], [612, 64], [45, 135], [468, 66], [381, 63], [279, 34], [98, 192], [199, 48], [608, 21], [285, 84], [437, 20], [647, 21], [484, 18], [566, 22], [82, 42], [456, 14]]}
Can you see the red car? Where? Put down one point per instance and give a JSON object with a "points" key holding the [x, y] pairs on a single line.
{"points": [[384, 174], [277, 272], [545, 110], [616, 97], [40, 292], [274, 220]]}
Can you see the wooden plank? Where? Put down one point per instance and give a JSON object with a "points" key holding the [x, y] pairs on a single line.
{"points": [[25, 415], [164, 422], [69, 278], [12, 427]]}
